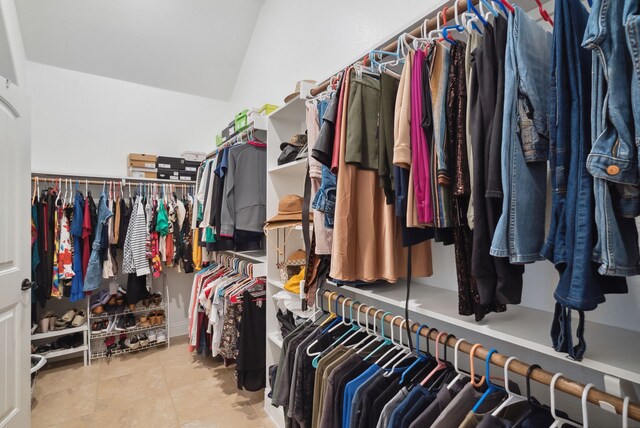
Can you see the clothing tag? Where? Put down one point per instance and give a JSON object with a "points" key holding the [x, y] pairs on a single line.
{"points": [[259, 303]]}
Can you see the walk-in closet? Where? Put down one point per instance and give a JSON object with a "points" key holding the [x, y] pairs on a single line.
{"points": [[280, 213]]}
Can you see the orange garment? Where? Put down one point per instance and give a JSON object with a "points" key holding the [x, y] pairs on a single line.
{"points": [[367, 243], [196, 253], [170, 252]]}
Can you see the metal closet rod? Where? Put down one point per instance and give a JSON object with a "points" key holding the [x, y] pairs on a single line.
{"points": [[393, 45], [82, 179], [542, 376]]}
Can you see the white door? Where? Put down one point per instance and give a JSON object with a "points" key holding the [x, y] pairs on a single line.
{"points": [[15, 257]]}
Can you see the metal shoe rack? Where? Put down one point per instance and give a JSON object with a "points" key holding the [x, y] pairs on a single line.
{"points": [[96, 347]]}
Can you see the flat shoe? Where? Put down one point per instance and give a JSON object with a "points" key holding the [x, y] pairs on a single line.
{"points": [[69, 315], [79, 319]]}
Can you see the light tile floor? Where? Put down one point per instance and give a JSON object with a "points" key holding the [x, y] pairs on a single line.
{"points": [[153, 388]]}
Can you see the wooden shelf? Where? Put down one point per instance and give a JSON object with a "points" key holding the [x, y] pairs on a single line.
{"points": [[610, 350], [297, 166], [58, 333]]}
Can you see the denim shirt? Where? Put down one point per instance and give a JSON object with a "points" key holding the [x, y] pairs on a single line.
{"points": [[93, 279], [519, 234]]}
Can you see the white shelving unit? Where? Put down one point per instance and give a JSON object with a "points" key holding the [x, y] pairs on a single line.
{"points": [[95, 344], [282, 180], [39, 338]]}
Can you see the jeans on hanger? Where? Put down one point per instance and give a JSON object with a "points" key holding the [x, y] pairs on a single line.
{"points": [[614, 155], [519, 234], [93, 279], [325, 199], [570, 241]]}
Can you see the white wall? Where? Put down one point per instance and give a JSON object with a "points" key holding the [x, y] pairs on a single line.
{"points": [[87, 124], [303, 39]]}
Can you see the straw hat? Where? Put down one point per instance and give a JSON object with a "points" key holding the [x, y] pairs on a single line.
{"points": [[297, 91], [289, 213]]}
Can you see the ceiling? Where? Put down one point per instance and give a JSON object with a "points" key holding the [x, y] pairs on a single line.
{"points": [[190, 46]]}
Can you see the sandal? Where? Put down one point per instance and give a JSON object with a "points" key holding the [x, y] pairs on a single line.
{"points": [[79, 319], [144, 321], [153, 318], [156, 298], [69, 315]]}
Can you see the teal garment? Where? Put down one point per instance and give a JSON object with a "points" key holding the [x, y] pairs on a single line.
{"points": [[162, 223], [209, 235]]}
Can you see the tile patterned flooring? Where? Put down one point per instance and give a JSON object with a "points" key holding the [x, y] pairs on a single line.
{"points": [[157, 388]]}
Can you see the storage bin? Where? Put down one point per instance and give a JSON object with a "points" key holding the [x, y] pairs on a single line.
{"points": [[228, 131], [191, 166], [241, 121], [168, 174], [194, 156]]}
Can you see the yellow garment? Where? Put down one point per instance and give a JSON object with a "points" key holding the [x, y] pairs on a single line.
{"points": [[196, 253], [293, 285]]}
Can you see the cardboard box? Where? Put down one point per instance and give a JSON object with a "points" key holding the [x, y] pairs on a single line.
{"points": [[167, 162], [142, 164], [142, 157], [142, 173]]}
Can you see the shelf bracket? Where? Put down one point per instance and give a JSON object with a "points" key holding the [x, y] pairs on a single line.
{"points": [[620, 388]]}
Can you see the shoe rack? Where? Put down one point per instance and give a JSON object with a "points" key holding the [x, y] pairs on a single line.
{"points": [[39, 337], [96, 347]]}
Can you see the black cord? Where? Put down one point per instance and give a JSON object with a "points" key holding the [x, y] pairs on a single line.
{"points": [[406, 303]]}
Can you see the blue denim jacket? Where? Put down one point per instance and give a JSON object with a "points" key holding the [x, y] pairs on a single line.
{"points": [[571, 234], [325, 199], [519, 234], [614, 155], [616, 250]]}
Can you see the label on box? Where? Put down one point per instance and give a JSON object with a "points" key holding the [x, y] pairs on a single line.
{"points": [[186, 178], [191, 168], [174, 177], [164, 165]]}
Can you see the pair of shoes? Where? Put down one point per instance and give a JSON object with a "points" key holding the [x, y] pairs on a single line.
{"points": [[156, 317], [132, 342], [122, 341], [143, 321], [48, 322], [125, 322], [100, 326], [73, 317], [156, 299], [110, 343], [43, 349], [159, 335]]}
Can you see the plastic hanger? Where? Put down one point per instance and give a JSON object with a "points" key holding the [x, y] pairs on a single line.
{"points": [[375, 336], [492, 387], [456, 367], [543, 13], [405, 357], [335, 320], [457, 26], [472, 355], [557, 420], [357, 324], [513, 397], [339, 324], [332, 315], [505, 6], [370, 337], [385, 339], [441, 364], [625, 413], [421, 355], [585, 405], [396, 346]]}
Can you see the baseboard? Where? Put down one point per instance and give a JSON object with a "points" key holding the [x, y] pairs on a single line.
{"points": [[178, 329]]}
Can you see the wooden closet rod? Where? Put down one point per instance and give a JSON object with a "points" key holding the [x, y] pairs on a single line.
{"points": [[393, 46], [53, 178], [542, 376]]}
